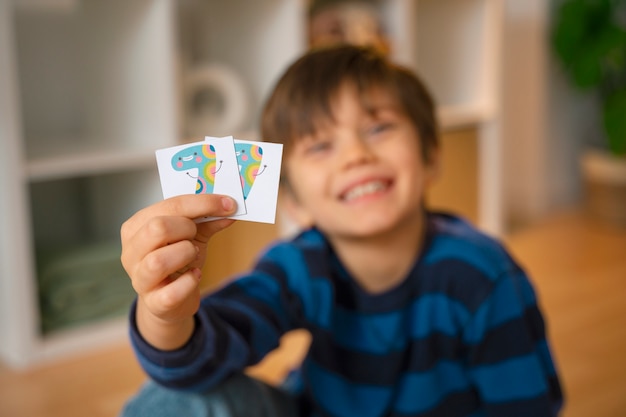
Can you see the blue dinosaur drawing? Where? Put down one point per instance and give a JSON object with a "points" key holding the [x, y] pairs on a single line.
{"points": [[249, 157], [202, 158]]}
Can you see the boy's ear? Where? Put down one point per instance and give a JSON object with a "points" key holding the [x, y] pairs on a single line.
{"points": [[295, 211]]}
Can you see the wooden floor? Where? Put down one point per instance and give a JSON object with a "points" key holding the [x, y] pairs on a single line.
{"points": [[579, 270]]}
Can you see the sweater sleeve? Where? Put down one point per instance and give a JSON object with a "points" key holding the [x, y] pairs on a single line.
{"points": [[236, 326], [194, 366], [509, 358]]}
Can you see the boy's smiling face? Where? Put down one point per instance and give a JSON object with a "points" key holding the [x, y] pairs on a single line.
{"points": [[362, 174]]}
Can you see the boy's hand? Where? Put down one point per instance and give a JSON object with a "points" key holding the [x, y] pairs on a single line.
{"points": [[163, 250]]}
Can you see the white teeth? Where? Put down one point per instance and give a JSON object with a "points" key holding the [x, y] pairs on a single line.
{"points": [[364, 189]]}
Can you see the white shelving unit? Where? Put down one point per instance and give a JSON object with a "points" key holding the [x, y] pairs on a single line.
{"points": [[89, 89], [84, 115], [455, 47], [251, 41]]}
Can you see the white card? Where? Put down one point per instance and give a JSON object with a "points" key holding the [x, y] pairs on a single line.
{"points": [[208, 167], [259, 167]]}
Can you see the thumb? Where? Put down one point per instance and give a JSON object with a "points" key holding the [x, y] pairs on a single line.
{"points": [[207, 229]]}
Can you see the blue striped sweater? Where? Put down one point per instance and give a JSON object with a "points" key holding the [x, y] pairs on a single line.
{"points": [[462, 335]]}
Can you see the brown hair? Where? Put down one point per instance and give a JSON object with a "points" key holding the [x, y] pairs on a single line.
{"points": [[303, 95]]}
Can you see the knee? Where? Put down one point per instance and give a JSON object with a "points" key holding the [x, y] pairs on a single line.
{"points": [[157, 401]]}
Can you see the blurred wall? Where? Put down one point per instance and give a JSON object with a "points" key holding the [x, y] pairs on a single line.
{"points": [[545, 123]]}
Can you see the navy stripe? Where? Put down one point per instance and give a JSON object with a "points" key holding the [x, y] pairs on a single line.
{"points": [[349, 363], [555, 391], [318, 261], [507, 341], [543, 351], [456, 279], [456, 404], [419, 356], [536, 407], [352, 297], [538, 328]]}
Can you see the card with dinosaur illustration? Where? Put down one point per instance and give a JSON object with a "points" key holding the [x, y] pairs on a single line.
{"points": [[248, 171], [259, 169], [208, 167]]}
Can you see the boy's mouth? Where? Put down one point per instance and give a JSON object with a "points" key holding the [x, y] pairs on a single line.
{"points": [[365, 189]]}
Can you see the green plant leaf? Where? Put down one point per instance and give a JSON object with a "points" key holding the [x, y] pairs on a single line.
{"points": [[569, 29], [586, 69], [615, 122], [584, 37]]}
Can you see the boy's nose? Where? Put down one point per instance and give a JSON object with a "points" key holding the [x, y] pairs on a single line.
{"points": [[357, 151]]}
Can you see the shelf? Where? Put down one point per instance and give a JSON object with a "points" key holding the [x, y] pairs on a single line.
{"points": [[80, 79], [47, 6], [452, 57], [66, 161], [455, 117], [80, 339], [249, 49], [81, 283], [457, 60], [83, 210]]}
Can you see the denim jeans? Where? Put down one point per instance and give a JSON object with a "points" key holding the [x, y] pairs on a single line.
{"points": [[238, 396]]}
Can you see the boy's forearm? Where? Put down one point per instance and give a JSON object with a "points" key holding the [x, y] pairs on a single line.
{"points": [[161, 334]]}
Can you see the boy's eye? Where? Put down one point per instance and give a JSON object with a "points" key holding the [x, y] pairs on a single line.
{"points": [[319, 146], [380, 128]]}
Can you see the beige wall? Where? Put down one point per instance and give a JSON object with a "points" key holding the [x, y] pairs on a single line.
{"points": [[457, 189], [545, 123]]}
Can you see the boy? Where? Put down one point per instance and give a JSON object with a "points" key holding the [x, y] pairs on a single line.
{"points": [[411, 313]]}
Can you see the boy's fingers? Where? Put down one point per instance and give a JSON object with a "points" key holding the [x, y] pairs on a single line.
{"points": [[180, 294], [207, 229], [154, 270], [202, 205], [151, 257], [157, 232], [164, 231], [189, 206]]}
